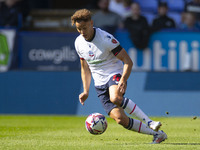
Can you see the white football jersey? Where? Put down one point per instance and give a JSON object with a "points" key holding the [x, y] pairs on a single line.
{"points": [[99, 55]]}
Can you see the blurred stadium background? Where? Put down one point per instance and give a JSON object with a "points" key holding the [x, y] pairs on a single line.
{"points": [[40, 70]]}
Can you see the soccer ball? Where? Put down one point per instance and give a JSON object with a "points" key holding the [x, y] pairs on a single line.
{"points": [[96, 123]]}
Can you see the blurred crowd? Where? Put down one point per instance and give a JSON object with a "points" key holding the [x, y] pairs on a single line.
{"points": [[13, 12], [111, 15], [127, 14]]}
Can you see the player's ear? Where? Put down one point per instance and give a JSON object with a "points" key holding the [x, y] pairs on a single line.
{"points": [[92, 22]]}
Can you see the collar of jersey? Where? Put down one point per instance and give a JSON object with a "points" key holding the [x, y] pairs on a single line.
{"points": [[92, 36]]}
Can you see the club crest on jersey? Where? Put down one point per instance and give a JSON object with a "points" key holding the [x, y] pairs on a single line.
{"points": [[91, 54], [114, 41]]}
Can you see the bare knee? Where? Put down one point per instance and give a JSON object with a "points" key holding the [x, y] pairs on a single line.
{"points": [[117, 100], [115, 97]]}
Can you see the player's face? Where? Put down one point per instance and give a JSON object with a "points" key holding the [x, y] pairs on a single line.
{"points": [[85, 29]]}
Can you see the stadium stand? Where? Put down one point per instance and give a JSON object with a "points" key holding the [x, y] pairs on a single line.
{"points": [[51, 20], [148, 5], [149, 9], [176, 5], [149, 16], [59, 19], [176, 16]]}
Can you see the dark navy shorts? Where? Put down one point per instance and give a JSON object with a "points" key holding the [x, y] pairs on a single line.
{"points": [[103, 93]]}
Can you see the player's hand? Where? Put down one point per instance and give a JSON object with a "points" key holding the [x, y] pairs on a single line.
{"points": [[122, 87], [82, 97]]}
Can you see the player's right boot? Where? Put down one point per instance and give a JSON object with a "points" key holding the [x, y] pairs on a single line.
{"points": [[154, 125], [159, 137]]}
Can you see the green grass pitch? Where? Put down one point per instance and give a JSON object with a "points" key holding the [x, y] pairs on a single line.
{"points": [[18, 132]]}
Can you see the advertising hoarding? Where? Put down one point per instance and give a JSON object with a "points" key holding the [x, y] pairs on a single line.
{"points": [[48, 51]]}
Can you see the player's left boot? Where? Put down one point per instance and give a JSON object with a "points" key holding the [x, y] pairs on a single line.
{"points": [[159, 137], [154, 125]]}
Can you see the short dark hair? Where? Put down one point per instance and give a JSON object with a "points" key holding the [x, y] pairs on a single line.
{"points": [[162, 4], [81, 15]]}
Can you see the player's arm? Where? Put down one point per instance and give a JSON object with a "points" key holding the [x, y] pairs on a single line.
{"points": [[86, 79], [124, 57]]}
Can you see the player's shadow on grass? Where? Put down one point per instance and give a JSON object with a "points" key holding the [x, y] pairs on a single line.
{"points": [[182, 143]]}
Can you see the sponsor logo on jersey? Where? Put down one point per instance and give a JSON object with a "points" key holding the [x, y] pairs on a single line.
{"points": [[98, 61], [91, 54], [114, 41]]}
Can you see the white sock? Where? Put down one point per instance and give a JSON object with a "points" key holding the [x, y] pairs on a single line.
{"points": [[138, 126], [131, 108]]}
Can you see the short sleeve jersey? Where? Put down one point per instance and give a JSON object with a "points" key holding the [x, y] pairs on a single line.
{"points": [[100, 54]]}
